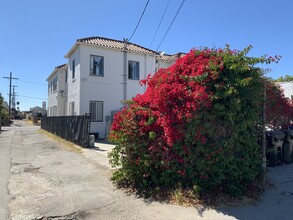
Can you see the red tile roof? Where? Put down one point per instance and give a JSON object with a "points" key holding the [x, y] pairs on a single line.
{"points": [[116, 44], [170, 58], [63, 66]]}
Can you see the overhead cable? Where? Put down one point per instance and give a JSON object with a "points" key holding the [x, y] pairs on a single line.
{"points": [[35, 83], [29, 97], [160, 23], [139, 19], [171, 24]]}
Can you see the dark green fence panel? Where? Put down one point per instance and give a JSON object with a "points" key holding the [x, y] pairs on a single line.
{"points": [[75, 128]]}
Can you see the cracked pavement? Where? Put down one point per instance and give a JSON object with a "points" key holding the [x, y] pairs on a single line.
{"points": [[42, 179]]}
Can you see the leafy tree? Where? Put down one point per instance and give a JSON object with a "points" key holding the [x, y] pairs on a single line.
{"points": [[196, 125], [286, 78], [3, 112]]}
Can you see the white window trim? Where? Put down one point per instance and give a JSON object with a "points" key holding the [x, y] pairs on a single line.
{"points": [[133, 77]]}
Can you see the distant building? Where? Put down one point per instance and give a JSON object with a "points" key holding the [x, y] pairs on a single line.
{"points": [[38, 111], [287, 88]]}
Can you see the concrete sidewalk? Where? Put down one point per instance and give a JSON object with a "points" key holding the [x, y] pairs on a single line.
{"points": [[48, 180], [275, 203]]}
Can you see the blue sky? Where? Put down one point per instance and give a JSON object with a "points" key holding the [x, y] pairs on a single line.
{"points": [[36, 34]]}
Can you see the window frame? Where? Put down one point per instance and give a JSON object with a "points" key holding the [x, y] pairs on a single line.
{"points": [[133, 75], [92, 67], [71, 108], [96, 117], [73, 68], [54, 84]]}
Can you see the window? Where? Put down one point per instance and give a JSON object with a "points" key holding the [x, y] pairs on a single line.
{"points": [[66, 75], [54, 84], [96, 110], [71, 108], [133, 70], [73, 69], [97, 65], [54, 110]]}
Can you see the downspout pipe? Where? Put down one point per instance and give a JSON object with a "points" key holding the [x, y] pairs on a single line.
{"points": [[124, 75]]}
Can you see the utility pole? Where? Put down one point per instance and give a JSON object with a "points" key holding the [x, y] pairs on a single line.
{"points": [[10, 81], [13, 98]]}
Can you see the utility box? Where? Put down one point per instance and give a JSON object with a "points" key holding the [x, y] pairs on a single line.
{"points": [[288, 147], [274, 154], [91, 141]]}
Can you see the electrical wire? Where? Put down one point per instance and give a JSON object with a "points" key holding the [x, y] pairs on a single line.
{"points": [[31, 97], [139, 19], [171, 24], [38, 84], [160, 23]]}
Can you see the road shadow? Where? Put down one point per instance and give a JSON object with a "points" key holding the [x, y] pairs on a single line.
{"points": [[96, 149], [275, 203]]}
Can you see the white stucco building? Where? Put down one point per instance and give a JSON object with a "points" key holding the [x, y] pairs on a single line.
{"points": [[287, 88], [57, 91], [99, 75]]}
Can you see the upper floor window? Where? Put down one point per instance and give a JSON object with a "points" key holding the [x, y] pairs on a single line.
{"points": [[97, 65], [73, 69], [66, 75], [54, 84], [133, 70]]}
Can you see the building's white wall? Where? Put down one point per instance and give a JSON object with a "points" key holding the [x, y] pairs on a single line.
{"points": [[74, 84], [52, 95], [146, 66], [57, 100], [62, 92], [109, 88], [288, 89], [164, 64]]}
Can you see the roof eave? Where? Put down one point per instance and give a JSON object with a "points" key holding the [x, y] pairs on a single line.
{"points": [[72, 50], [52, 74]]}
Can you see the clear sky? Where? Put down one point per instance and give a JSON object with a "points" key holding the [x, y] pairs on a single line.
{"points": [[36, 34]]}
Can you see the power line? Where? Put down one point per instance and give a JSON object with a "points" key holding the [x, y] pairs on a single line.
{"points": [[38, 84], [171, 23], [139, 19], [160, 23], [30, 97]]}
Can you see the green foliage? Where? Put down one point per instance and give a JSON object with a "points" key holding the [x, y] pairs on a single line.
{"points": [[286, 78], [3, 112], [196, 126]]}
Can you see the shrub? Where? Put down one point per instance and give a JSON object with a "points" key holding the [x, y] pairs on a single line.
{"points": [[196, 125]]}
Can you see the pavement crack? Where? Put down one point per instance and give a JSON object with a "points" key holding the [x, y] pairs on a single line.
{"points": [[73, 216]]}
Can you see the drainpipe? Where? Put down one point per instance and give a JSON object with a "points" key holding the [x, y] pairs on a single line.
{"points": [[124, 75], [145, 69], [264, 160]]}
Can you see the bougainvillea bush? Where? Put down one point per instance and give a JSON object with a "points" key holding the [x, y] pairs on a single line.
{"points": [[279, 110], [196, 126]]}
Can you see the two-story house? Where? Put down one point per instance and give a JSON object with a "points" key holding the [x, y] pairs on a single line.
{"points": [[57, 91], [100, 74]]}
